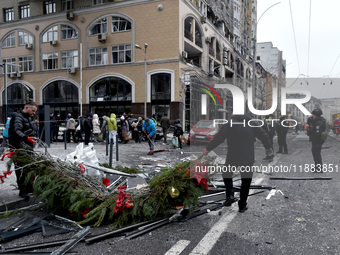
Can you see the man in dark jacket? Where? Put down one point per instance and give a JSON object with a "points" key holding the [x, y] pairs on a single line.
{"points": [[88, 129], [178, 132], [317, 136], [281, 135], [165, 124], [56, 125], [240, 140], [269, 127], [22, 135], [52, 127]]}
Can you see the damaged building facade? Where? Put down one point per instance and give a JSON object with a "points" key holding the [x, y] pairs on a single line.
{"points": [[79, 56]]}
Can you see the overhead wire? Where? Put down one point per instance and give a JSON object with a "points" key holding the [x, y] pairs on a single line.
{"points": [[310, 16], [297, 55]]}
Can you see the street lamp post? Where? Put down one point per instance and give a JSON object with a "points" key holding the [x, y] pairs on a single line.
{"points": [[145, 47], [254, 47]]}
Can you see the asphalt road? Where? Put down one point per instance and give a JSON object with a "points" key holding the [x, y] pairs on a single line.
{"points": [[301, 219]]}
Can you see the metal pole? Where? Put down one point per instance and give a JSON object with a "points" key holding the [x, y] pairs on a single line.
{"points": [[81, 79], [145, 83], [107, 143], [65, 139], [117, 147], [111, 150], [5, 86]]}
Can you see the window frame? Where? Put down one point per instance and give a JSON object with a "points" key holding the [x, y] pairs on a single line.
{"points": [[50, 7], [54, 60], [25, 35], [97, 53], [10, 68], [8, 14], [119, 20], [67, 28], [67, 57], [25, 11], [11, 38], [67, 5], [96, 2], [28, 61], [101, 24], [118, 51], [54, 33]]}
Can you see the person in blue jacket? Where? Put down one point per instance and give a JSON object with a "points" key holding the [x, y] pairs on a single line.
{"points": [[5, 135], [149, 128]]}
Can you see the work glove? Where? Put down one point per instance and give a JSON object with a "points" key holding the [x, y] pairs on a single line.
{"points": [[269, 152], [205, 151], [148, 136], [31, 139]]}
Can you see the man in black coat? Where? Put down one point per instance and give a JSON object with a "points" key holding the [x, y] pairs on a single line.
{"points": [[269, 126], [21, 135], [88, 129], [281, 135], [317, 137], [240, 141]]}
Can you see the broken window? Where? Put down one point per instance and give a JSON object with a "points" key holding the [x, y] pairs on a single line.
{"points": [[188, 28]]}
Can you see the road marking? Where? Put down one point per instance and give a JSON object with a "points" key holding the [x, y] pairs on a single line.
{"points": [[178, 247], [210, 239]]}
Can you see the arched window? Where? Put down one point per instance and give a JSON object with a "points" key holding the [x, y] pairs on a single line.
{"points": [[188, 28], [60, 92], [100, 27], [110, 95], [9, 41], [120, 24], [24, 38], [68, 32], [51, 34], [198, 35], [17, 95], [218, 51], [248, 74], [62, 96]]}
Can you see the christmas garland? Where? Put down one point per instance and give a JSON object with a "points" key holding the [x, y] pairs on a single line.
{"points": [[86, 199]]}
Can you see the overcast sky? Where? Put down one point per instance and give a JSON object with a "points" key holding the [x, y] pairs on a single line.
{"points": [[317, 57]]}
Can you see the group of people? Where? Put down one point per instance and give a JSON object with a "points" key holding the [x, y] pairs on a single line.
{"points": [[240, 141]]}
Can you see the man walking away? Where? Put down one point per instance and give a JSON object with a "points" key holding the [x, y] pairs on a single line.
{"points": [[104, 129], [56, 125], [139, 129], [165, 124], [149, 128], [281, 136], [240, 141], [318, 136], [80, 129], [112, 125], [178, 132], [52, 127], [269, 127], [22, 135], [71, 129], [88, 129]]}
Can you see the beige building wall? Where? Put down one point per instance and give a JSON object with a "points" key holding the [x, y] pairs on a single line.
{"points": [[159, 29]]}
